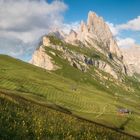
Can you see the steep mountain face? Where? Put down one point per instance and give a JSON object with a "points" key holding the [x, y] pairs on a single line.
{"points": [[92, 46], [93, 32], [132, 57], [41, 59]]}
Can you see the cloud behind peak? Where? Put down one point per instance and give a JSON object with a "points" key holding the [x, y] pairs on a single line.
{"points": [[27, 20]]}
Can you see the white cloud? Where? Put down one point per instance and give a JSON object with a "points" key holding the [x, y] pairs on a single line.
{"points": [[71, 26], [133, 25], [126, 42], [25, 21], [16, 47], [113, 29]]}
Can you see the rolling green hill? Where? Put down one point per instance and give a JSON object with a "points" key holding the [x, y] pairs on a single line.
{"points": [[68, 90], [23, 118]]}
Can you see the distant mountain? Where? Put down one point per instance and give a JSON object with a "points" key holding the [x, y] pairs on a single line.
{"points": [[93, 45], [132, 57]]}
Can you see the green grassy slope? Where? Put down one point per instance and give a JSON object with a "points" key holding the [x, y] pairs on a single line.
{"points": [[90, 100], [21, 119]]}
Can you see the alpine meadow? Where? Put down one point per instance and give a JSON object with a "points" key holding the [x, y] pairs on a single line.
{"points": [[81, 81]]}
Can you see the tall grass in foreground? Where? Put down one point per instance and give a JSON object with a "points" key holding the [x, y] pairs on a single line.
{"points": [[23, 120]]}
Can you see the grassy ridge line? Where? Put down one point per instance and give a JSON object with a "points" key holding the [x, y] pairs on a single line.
{"points": [[61, 109]]}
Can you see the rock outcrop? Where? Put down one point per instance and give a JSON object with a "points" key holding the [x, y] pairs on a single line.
{"points": [[46, 41], [71, 37], [41, 59]]}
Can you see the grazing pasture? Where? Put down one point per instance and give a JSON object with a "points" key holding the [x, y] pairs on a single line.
{"points": [[91, 100]]}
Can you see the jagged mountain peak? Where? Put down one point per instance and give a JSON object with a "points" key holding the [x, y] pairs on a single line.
{"points": [[95, 32], [93, 18], [90, 13], [97, 25], [58, 33], [92, 46]]}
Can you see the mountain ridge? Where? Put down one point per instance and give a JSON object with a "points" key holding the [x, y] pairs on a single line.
{"points": [[94, 96], [97, 29], [132, 57], [94, 37]]}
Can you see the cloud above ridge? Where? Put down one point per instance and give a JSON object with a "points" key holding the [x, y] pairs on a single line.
{"points": [[132, 25], [25, 21], [126, 42]]}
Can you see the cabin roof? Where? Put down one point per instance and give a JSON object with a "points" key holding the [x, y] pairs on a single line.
{"points": [[123, 110]]}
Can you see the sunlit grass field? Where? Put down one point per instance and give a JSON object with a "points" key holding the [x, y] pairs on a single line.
{"points": [[22, 119], [73, 90]]}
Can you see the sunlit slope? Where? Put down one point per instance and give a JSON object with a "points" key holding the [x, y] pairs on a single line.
{"points": [[22, 118], [73, 90]]}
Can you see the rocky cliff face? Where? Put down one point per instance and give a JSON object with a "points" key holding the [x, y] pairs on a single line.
{"points": [[132, 57], [92, 46], [93, 32], [41, 59]]}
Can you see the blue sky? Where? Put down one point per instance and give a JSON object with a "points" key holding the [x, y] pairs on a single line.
{"points": [[116, 11], [21, 31], [113, 11]]}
